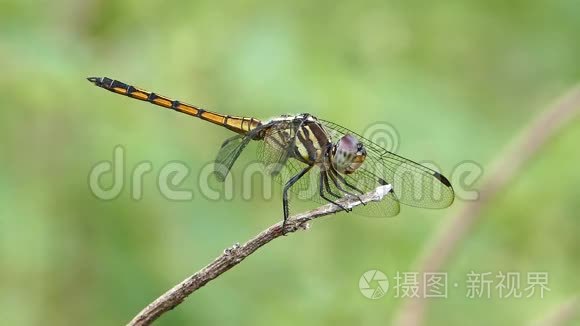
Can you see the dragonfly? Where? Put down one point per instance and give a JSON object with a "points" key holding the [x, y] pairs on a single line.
{"points": [[314, 158]]}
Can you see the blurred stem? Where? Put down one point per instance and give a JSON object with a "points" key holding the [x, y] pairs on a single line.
{"points": [[234, 255], [562, 315], [440, 249]]}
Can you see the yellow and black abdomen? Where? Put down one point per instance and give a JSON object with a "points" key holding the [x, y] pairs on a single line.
{"points": [[237, 124]]}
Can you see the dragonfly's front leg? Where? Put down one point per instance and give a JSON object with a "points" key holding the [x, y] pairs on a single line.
{"points": [[336, 177], [324, 183]]}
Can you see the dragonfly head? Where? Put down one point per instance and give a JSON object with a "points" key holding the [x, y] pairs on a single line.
{"points": [[348, 154]]}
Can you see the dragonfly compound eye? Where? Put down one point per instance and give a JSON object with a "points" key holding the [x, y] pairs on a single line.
{"points": [[349, 155]]}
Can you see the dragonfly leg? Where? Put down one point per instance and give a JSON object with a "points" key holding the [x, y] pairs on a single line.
{"points": [[343, 180], [327, 185], [289, 184], [324, 182], [335, 175]]}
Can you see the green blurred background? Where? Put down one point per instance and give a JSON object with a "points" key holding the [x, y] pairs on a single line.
{"points": [[458, 79]]}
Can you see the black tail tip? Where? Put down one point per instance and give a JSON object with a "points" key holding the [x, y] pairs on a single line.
{"points": [[94, 80]]}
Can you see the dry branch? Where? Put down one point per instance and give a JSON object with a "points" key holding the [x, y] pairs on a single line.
{"points": [[234, 255]]}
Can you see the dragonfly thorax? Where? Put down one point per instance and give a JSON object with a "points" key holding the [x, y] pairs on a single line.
{"points": [[348, 154]]}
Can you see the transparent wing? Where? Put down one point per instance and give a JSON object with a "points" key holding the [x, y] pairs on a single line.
{"points": [[231, 150], [228, 154], [413, 184], [276, 141], [366, 181], [274, 150]]}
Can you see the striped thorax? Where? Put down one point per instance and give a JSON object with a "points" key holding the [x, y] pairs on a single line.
{"points": [[313, 144]]}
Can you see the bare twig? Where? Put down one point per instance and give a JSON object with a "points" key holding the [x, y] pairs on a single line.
{"points": [[437, 252], [234, 255]]}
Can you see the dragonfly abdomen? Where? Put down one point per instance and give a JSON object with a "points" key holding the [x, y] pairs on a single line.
{"points": [[237, 124]]}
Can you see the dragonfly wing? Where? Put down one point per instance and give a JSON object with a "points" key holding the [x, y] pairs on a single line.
{"points": [[366, 181], [231, 150], [413, 183], [228, 154], [275, 149]]}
